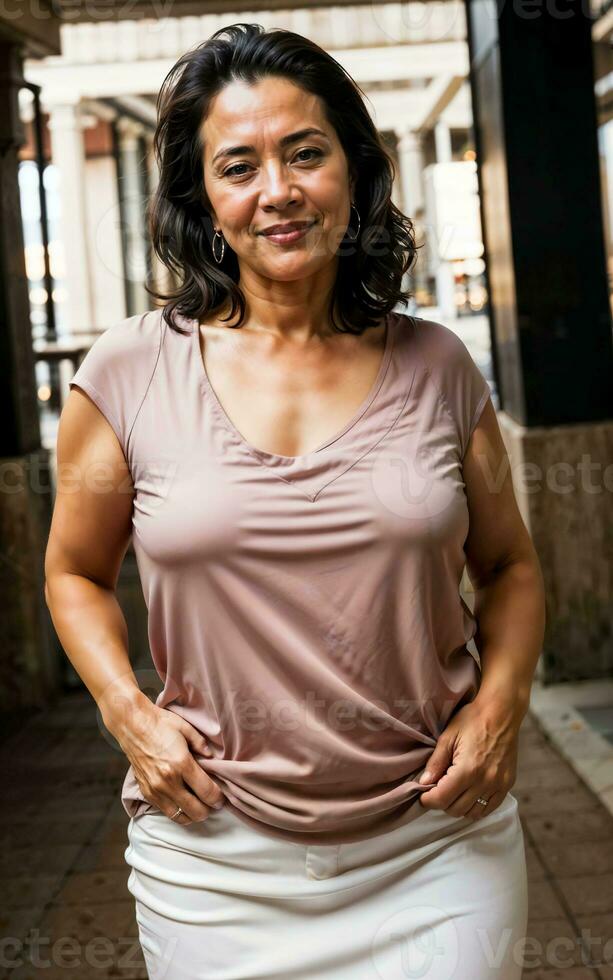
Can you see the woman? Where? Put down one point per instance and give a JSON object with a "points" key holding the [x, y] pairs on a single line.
{"points": [[305, 472]]}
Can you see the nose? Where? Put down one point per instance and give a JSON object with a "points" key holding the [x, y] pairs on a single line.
{"points": [[277, 187]]}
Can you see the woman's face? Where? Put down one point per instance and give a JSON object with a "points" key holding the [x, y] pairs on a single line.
{"points": [[266, 181]]}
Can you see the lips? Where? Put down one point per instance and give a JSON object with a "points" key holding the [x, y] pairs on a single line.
{"points": [[285, 229]]}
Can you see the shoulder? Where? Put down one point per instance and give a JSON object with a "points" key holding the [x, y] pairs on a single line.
{"points": [[125, 352], [445, 355], [118, 367], [130, 337], [439, 344], [433, 343], [462, 387]]}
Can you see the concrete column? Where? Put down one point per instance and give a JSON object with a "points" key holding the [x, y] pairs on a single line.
{"points": [[445, 283], [31, 659], [162, 278], [445, 291], [411, 163], [442, 143], [152, 167], [541, 214], [66, 125], [134, 203]]}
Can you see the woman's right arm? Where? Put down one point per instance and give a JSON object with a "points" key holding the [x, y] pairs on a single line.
{"points": [[89, 535]]}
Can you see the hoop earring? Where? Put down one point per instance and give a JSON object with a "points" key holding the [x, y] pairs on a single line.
{"points": [[223, 246], [354, 238]]}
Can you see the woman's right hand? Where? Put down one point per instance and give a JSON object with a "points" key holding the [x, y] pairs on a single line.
{"points": [[159, 746]]}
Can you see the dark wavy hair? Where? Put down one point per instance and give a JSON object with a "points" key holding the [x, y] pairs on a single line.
{"points": [[370, 272]]}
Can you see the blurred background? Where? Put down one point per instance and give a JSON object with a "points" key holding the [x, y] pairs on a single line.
{"points": [[499, 118]]}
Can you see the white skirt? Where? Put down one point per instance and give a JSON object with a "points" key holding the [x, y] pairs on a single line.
{"points": [[439, 898]]}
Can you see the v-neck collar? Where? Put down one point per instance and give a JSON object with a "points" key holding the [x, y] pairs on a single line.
{"points": [[311, 472]]}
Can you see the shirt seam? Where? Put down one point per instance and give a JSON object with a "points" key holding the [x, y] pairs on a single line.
{"points": [[480, 406], [161, 329], [102, 402], [440, 394], [382, 436]]}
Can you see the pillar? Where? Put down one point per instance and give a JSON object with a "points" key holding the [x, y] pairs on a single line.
{"points": [[445, 282], [31, 668], [132, 164], [532, 80], [68, 155], [411, 163]]}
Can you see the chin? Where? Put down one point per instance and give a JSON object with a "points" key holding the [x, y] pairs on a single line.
{"points": [[291, 275]]}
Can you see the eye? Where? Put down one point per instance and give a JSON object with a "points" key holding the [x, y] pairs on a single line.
{"points": [[231, 171], [317, 153]]}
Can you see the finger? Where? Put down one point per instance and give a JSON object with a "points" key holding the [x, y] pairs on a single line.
{"points": [[449, 788], [201, 784], [477, 811], [466, 804], [168, 806], [438, 763], [196, 740], [193, 809], [171, 792]]}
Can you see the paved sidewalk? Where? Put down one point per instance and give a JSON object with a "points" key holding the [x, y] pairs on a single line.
{"points": [[64, 835]]}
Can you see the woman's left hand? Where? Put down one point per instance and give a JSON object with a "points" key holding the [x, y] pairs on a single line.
{"points": [[475, 756]]}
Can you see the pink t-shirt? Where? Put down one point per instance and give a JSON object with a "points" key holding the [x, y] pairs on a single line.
{"points": [[304, 612]]}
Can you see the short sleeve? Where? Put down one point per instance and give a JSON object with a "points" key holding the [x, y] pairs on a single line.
{"points": [[117, 370], [461, 385]]}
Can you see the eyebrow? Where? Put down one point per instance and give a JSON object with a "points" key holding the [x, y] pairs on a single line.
{"points": [[230, 151]]}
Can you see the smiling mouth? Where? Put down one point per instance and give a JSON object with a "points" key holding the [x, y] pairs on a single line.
{"points": [[290, 234]]}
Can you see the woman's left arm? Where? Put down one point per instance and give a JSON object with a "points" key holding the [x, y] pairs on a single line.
{"points": [[476, 754]]}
